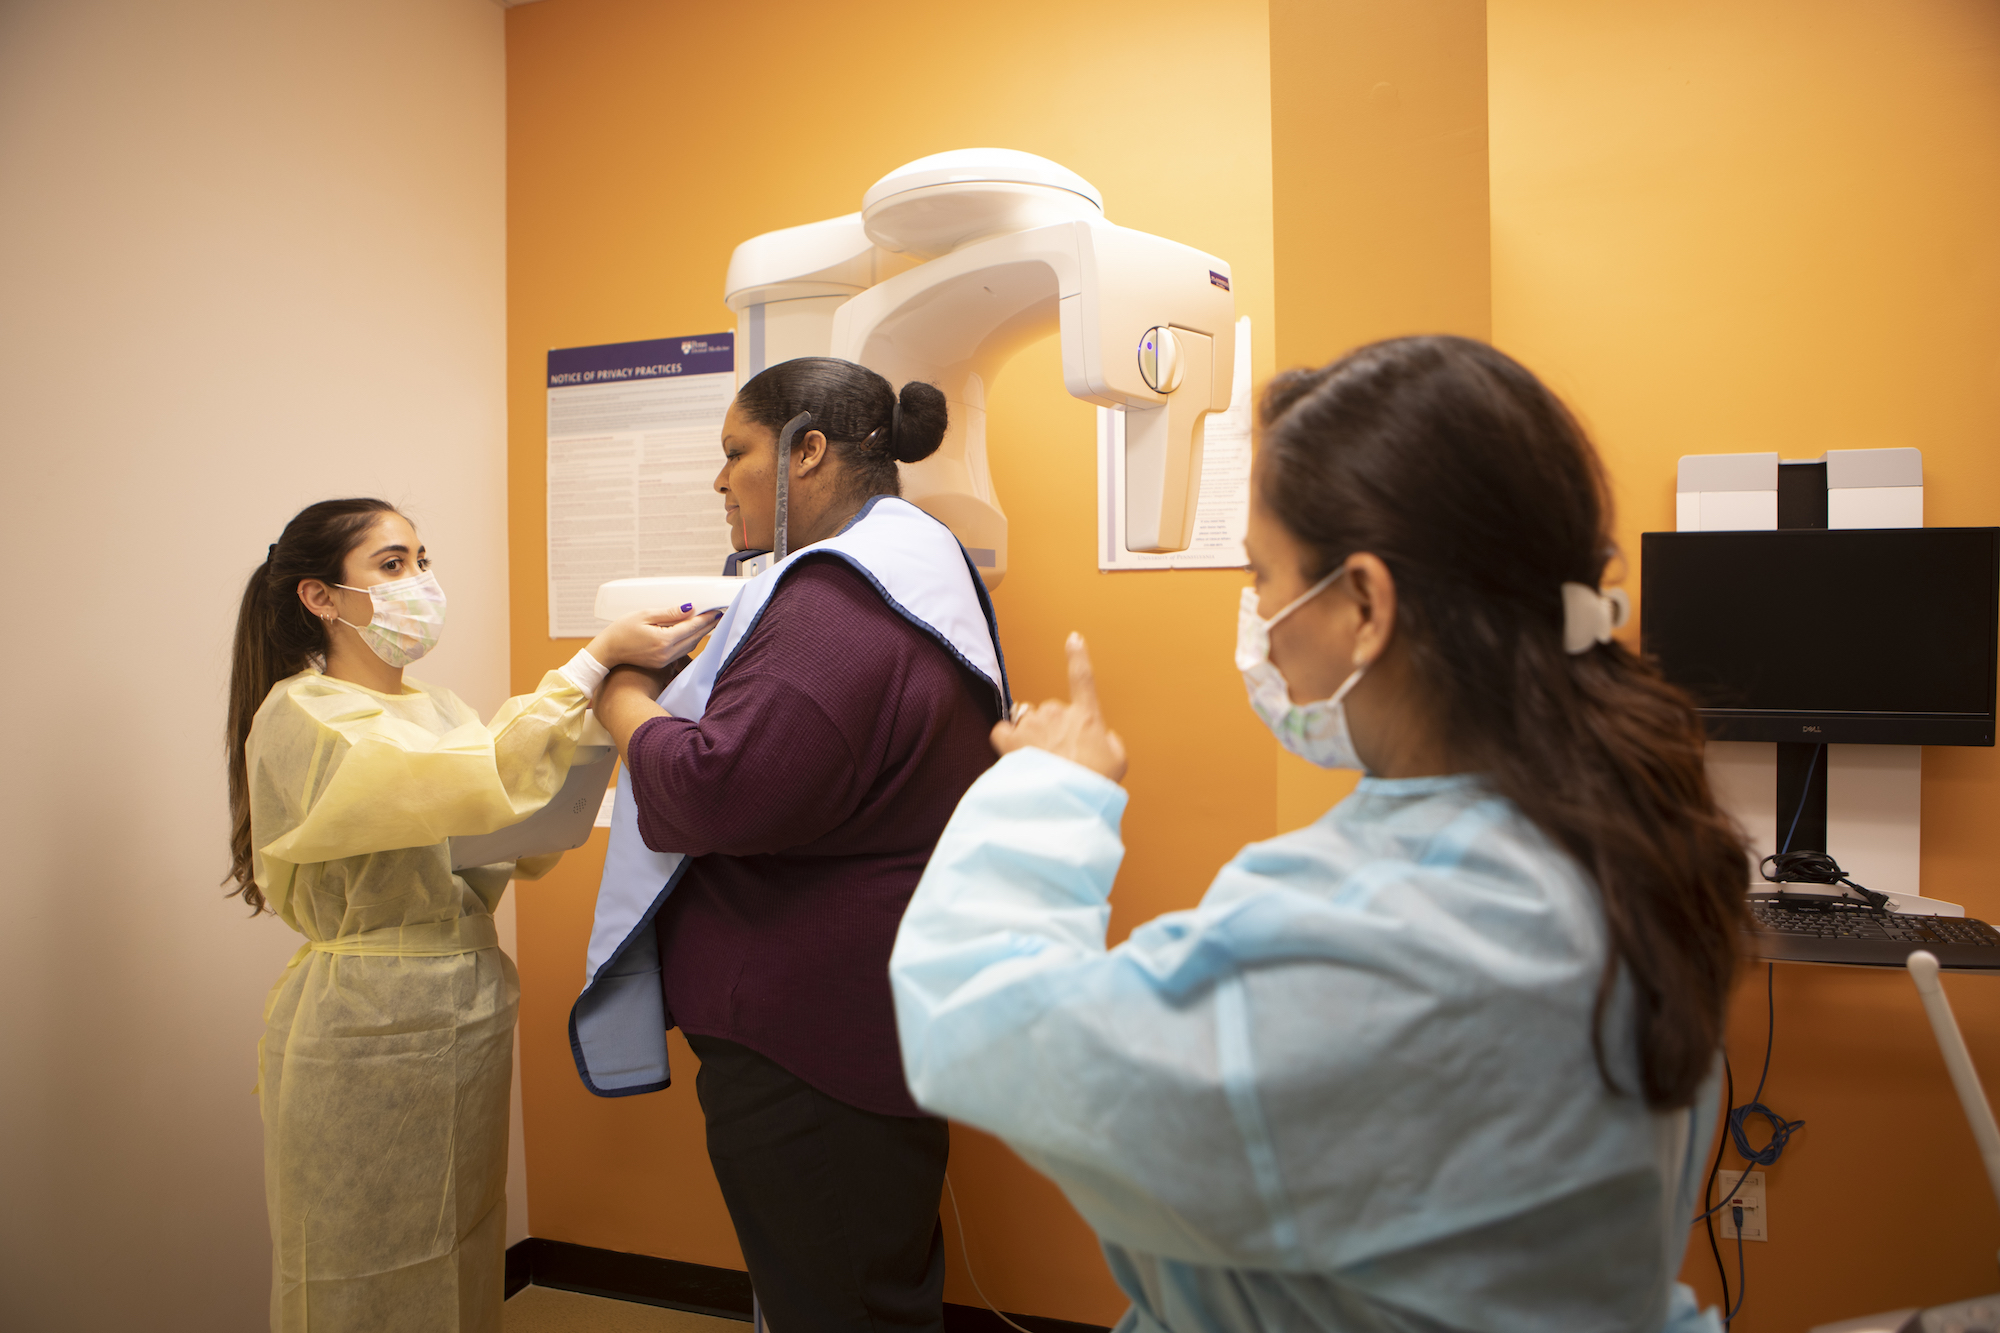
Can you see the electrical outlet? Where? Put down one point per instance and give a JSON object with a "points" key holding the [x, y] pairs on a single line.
{"points": [[1756, 1218]]}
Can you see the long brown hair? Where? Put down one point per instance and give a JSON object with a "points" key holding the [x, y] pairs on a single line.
{"points": [[277, 637], [1481, 493]]}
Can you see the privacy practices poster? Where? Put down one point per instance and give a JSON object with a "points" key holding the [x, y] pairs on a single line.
{"points": [[634, 434]]}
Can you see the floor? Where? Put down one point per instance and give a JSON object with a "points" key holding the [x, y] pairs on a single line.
{"points": [[546, 1310]]}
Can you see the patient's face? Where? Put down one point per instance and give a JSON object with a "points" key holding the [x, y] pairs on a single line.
{"points": [[748, 480]]}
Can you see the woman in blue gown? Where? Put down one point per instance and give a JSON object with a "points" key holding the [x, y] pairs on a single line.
{"points": [[1443, 1059]]}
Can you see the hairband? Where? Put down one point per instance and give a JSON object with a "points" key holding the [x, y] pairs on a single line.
{"points": [[1589, 616]]}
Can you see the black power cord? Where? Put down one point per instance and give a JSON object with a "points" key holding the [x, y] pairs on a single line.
{"points": [[1742, 1286], [1707, 1219], [1781, 1134], [1814, 868], [1797, 867]]}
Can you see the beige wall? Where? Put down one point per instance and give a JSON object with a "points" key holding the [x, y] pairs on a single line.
{"points": [[251, 255]]}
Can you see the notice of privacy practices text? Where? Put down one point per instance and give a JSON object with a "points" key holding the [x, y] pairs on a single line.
{"points": [[635, 435], [1221, 515]]}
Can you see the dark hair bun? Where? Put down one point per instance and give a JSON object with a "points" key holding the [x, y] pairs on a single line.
{"points": [[920, 426]]}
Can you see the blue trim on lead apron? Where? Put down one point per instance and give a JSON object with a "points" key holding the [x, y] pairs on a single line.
{"points": [[576, 1043]]}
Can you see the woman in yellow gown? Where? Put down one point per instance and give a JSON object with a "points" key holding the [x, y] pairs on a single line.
{"points": [[388, 1042]]}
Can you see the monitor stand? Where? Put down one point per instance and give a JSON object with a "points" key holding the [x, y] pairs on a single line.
{"points": [[1801, 809], [1866, 800], [1801, 825]]}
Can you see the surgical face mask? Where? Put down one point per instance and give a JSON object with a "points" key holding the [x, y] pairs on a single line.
{"points": [[1315, 732], [408, 619]]}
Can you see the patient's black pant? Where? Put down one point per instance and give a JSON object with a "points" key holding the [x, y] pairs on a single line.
{"points": [[836, 1208]]}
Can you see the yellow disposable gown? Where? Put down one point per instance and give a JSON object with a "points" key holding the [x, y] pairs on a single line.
{"points": [[388, 1043]]}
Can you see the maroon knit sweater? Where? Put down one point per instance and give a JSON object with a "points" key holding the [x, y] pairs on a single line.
{"points": [[808, 798]]}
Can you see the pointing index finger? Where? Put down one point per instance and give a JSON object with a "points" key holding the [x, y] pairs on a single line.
{"points": [[1082, 684]]}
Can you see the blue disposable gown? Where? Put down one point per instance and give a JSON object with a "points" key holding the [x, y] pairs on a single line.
{"points": [[1354, 1089]]}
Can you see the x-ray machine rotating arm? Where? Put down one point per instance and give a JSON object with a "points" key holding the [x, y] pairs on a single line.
{"points": [[956, 319]]}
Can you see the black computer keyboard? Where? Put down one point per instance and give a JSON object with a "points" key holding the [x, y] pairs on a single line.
{"points": [[1840, 933]]}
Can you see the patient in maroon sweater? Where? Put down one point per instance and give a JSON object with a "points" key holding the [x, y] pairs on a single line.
{"points": [[808, 798]]}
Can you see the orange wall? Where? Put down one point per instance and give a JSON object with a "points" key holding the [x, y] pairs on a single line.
{"points": [[1713, 227], [645, 141], [1378, 169], [1721, 226]]}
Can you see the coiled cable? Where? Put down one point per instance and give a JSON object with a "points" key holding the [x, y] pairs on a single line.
{"points": [[1814, 868]]}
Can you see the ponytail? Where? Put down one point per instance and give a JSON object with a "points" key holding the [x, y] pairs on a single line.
{"points": [[1634, 807], [277, 637], [1480, 492]]}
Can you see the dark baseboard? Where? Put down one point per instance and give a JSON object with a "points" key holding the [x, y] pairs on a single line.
{"points": [[698, 1288], [720, 1292], [979, 1319]]}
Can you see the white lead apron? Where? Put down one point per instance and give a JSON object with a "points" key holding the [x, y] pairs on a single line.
{"points": [[617, 1027]]}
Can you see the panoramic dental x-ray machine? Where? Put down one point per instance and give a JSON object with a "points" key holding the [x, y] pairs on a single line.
{"points": [[956, 262]]}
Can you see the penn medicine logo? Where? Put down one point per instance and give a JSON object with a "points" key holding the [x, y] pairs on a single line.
{"points": [[687, 345]]}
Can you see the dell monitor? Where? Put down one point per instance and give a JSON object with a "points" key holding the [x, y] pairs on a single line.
{"points": [[1874, 636]]}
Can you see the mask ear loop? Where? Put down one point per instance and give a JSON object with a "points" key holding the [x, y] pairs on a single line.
{"points": [[781, 539], [1304, 597], [330, 620]]}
